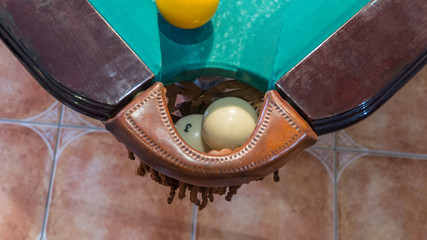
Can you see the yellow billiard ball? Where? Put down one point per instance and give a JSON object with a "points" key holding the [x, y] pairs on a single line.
{"points": [[187, 14], [228, 123], [190, 129]]}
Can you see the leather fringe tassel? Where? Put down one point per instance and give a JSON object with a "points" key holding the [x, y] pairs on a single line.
{"points": [[206, 194]]}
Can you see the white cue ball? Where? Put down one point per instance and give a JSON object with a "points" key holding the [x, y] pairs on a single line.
{"points": [[190, 129], [228, 123]]}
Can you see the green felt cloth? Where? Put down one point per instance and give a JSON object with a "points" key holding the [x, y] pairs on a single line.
{"points": [[256, 41]]}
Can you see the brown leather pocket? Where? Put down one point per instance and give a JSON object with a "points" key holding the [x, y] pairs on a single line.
{"points": [[146, 128]]}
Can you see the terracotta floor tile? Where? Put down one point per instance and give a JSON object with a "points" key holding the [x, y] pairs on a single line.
{"points": [[400, 124], [25, 165], [97, 195], [300, 206], [383, 198], [21, 96]]}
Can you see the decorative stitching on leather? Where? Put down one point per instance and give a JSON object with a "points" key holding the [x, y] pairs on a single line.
{"points": [[210, 159]]}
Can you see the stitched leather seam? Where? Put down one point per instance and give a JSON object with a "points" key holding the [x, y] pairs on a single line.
{"points": [[204, 158]]}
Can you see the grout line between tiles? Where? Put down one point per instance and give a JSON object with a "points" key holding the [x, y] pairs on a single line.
{"points": [[42, 124], [194, 222], [335, 192], [17, 121], [84, 127], [335, 197], [384, 153], [52, 177], [335, 140]]}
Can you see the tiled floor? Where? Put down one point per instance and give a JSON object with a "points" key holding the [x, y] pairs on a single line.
{"points": [[64, 177]]}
